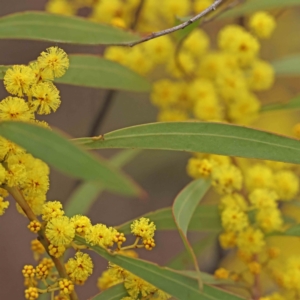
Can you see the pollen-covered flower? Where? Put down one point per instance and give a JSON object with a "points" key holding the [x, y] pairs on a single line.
{"points": [[37, 248], [60, 231], [80, 267], [28, 271], [286, 185], [18, 80], [101, 235], [259, 176], [3, 205], [52, 209], [82, 224], [263, 198], [34, 226], [143, 228], [56, 251], [269, 219], [46, 98], [14, 108], [227, 239], [263, 24], [66, 286], [235, 200], [31, 293], [251, 241], [221, 273], [54, 59], [233, 219], [226, 179]]}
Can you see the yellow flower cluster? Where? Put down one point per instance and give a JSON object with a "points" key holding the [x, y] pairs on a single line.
{"points": [[33, 93]]}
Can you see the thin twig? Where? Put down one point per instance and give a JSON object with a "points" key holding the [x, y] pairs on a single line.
{"points": [[157, 34], [18, 196], [137, 14]]}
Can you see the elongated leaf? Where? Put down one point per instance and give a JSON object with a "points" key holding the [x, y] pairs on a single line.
{"points": [[293, 231], [287, 66], [96, 72], [62, 154], [183, 209], [207, 137], [180, 286], [182, 260], [116, 292], [57, 28], [255, 5], [292, 104], [205, 218], [84, 196], [93, 71]]}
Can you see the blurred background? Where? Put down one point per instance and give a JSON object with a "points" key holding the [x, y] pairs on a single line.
{"points": [[160, 173]]}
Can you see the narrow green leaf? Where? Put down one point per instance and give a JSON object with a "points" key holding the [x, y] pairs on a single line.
{"points": [[182, 260], [255, 5], [180, 286], [62, 154], [287, 66], [292, 104], [206, 218], [183, 33], [85, 195], [62, 29], [206, 137], [183, 209], [96, 72], [116, 292]]}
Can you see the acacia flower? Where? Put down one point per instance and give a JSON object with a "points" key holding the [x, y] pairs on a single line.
{"points": [[54, 59], [52, 209], [18, 80], [143, 228], [60, 231]]}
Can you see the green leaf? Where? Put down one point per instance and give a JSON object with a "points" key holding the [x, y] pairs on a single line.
{"points": [[205, 218], [93, 71], [287, 66], [61, 29], [293, 231], [206, 137], [115, 292], [180, 286], [96, 72], [183, 33], [85, 195], [62, 154], [182, 260], [183, 209], [256, 5], [292, 104]]}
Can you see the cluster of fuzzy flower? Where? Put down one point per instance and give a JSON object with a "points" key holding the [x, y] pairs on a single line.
{"points": [[252, 195], [33, 92], [136, 287], [60, 232]]}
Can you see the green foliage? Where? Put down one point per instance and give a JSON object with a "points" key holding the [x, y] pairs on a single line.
{"points": [[287, 66], [85, 195], [61, 29], [292, 104], [181, 286], [203, 137], [57, 151], [116, 292]]}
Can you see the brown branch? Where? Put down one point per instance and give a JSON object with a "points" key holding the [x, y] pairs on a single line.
{"points": [[157, 34], [17, 195]]}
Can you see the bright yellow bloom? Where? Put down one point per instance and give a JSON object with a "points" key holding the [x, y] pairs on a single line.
{"points": [[66, 286], [208, 109], [286, 184], [14, 108], [263, 24], [259, 176], [226, 179], [244, 109], [43, 268], [227, 239], [28, 271], [8, 148], [235, 201], [263, 198], [80, 267], [269, 219], [31, 293], [106, 280], [116, 54], [3, 205], [56, 251], [200, 5], [54, 59], [34, 226], [37, 248], [221, 273], [60, 231], [143, 228], [52, 209], [82, 224], [261, 76], [40, 74], [62, 7], [251, 241], [18, 80], [101, 235], [171, 9], [47, 98], [254, 267], [184, 63], [15, 175], [164, 93], [234, 220]]}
